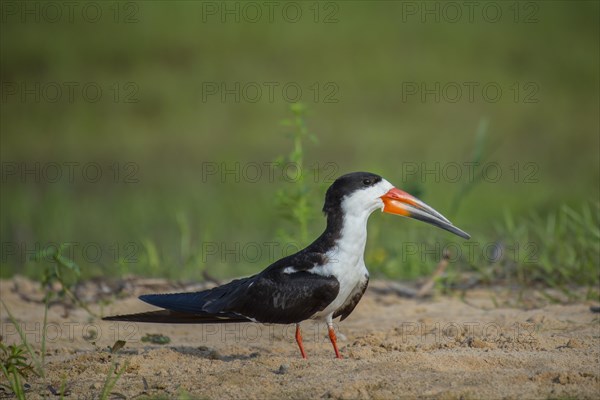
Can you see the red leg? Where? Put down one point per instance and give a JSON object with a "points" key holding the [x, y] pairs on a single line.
{"points": [[299, 340], [333, 339]]}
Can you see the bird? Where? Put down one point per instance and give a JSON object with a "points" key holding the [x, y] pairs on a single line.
{"points": [[323, 281]]}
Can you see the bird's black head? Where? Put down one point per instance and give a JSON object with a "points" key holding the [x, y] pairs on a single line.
{"points": [[346, 185], [358, 194]]}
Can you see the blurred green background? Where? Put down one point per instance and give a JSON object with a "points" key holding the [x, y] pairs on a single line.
{"points": [[364, 69]]}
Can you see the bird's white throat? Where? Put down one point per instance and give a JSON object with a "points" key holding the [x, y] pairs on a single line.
{"points": [[347, 256]]}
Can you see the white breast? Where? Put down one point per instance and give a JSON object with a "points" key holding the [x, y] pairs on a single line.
{"points": [[346, 259], [349, 276]]}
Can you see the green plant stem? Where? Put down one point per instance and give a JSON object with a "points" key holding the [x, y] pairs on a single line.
{"points": [[110, 382], [38, 364]]}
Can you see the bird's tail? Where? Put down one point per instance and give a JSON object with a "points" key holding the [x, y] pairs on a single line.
{"points": [[205, 307], [174, 317]]}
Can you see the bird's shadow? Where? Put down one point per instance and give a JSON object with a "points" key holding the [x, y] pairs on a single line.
{"points": [[212, 354]]}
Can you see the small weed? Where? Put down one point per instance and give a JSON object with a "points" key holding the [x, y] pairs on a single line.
{"points": [[114, 373], [294, 202], [15, 367], [112, 377], [37, 361], [13, 358], [156, 338], [63, 271]]}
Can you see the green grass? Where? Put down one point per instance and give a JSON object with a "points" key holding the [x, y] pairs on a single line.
{"points": [[160, 223], [38, 361], [112, 377], [558, 249], [15, 367], [19, 360]]}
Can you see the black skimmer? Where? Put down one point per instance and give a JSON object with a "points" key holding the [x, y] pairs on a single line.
{"points": [[324, 281]]}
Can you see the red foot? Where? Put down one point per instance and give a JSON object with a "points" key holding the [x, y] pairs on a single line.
{"points": [[299, 341], [333, 339]]}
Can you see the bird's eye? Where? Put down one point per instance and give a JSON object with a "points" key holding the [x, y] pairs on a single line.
{"points": [[366, 182]]}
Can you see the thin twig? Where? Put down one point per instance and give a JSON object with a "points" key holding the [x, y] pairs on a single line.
{"points": [[427, 287]]}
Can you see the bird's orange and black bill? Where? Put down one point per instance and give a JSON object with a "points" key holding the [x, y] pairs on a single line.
{"points": [[401, 203]]}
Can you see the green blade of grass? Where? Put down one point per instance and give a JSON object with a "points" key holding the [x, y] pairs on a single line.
{"points": [[38, 364]]}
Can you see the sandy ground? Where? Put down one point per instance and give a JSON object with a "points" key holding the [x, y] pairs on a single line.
{"points": [[485, 344]]}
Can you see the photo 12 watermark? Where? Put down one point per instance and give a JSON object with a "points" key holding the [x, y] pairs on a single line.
{"points": [[453, 12], [70, 12], [69, 332], [525, 172], [19, 253], [70, 172], [246, 252], [470, 92], [469, 252], [268, 172], [253, 12], [270, 92], [440, 332], [68, 92]]}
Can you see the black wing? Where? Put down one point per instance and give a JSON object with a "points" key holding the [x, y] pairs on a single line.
{"points": [[285, 298], [273, 296]]}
